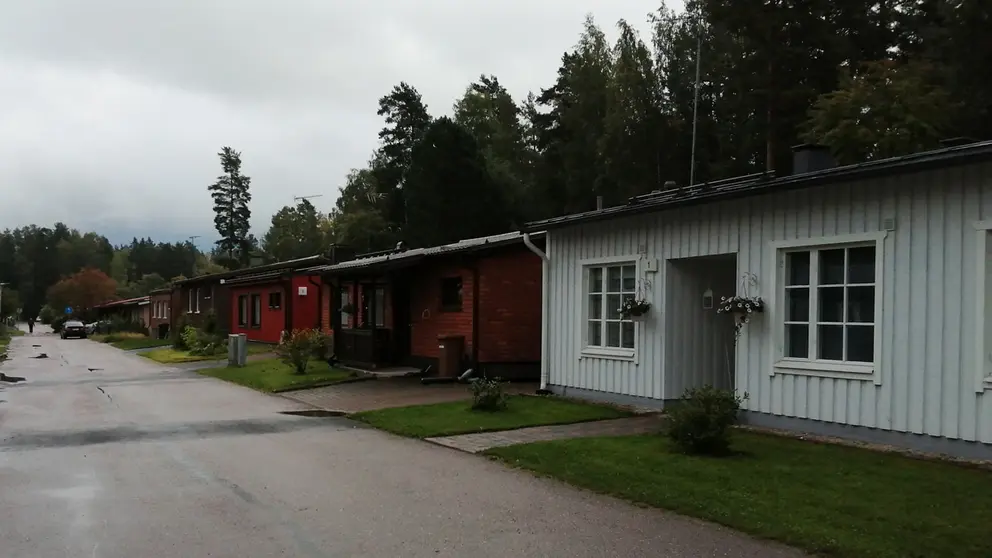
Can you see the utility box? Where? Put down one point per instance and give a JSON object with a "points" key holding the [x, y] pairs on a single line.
{"points": [[237, 349], [450, 350]]}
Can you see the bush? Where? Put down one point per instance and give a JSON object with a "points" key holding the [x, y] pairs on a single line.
{"points": [[488, 395], [178, 340], [324, 346], [199, 342], [118, 324], [115, 337], [58, 322], [297, 347], [47, 314], [700, 423]]}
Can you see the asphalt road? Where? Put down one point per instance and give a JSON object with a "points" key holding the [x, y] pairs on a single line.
{"points": [[105, 454]]}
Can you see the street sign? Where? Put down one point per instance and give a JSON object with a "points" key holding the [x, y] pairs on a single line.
{"points": [[68, 309]]}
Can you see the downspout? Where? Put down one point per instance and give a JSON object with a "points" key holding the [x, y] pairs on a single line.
{"points": [[545, 268], [290, 301], [475, 316]]}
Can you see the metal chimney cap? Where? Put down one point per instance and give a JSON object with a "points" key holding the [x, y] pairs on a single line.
{"points": [[669, 184]]}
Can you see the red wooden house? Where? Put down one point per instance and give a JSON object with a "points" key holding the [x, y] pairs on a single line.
{"points": [[398, 308]]}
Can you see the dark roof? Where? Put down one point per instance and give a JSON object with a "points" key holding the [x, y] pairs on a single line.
{"points": [[410, 257], [762, 183], [294, 265], [137, 301], [263, 277], [163, 290]]}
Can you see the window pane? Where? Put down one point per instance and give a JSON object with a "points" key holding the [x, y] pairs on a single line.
{"points": [[612, 334], [797, 341], [613, 303], [861, 343], [613, 279], [861, 304], [832, 267], [627, 335], [830, 340], [831, 304], [629, 280], [797, 305], [797, 268], [861, 265], [595, 333], [595, 279], [595, 306]]}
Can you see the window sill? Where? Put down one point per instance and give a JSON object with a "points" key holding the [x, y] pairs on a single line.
{"points": [[607, 353], [839, 371]]}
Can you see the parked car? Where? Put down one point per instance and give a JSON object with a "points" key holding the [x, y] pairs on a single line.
{"points": [[73, 328]]}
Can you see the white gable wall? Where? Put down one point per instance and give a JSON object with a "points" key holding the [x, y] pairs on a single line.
{"points": [[929, 371]]}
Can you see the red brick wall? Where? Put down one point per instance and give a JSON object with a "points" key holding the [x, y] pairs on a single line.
{"points": [[157, 304], [510, 307], [325, 308], [428, 320]]}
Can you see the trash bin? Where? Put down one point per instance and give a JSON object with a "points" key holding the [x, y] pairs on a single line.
{"points": [[450, 349]]}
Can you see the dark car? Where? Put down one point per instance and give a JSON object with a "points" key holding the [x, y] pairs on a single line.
{"points": [[74, 328]]}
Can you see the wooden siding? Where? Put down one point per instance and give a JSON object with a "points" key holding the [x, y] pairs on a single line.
{"points": [[928, 375]]}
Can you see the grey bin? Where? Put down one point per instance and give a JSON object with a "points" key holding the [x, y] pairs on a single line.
{"points": [[237, 349]]}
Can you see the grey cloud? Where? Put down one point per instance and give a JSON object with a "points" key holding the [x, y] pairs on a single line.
{"points": [[112, 111]]}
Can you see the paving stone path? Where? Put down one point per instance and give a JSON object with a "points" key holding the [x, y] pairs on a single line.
{"points": [[475, 443]]}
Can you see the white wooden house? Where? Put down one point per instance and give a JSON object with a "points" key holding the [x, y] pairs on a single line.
{"points": [[876, 281]]}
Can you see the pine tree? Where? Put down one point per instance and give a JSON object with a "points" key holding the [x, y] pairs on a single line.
{"points": [[231, 196]]}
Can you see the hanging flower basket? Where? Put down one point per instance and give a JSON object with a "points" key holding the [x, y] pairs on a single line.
{"points": [[742, 308], [634, 307]]}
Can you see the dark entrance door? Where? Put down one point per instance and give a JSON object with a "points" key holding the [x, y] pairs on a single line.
{"points": [[401, 319]]}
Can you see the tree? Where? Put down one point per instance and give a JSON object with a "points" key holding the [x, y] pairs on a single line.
{"points": [[449, 193], [231, 194], [295, 233], [885, 110], [82, 290], [143, 286], [10, 303]]}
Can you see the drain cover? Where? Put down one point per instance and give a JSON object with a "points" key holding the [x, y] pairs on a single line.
{"points": [[319, 413]]}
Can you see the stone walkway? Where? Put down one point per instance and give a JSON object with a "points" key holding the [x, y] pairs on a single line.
{"points": [[475, 443]]}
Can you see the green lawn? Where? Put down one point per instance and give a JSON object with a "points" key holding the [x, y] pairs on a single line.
{"points": [[273, 375], [448, 419], [827, 499], [168, 355], [141, 343]]}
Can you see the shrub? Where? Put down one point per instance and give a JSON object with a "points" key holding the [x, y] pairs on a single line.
{"points": [[488, 395], [120, 324], [323, 347], [57, 323], [700, 423], [198, 342], [177, 333], [115, 337], [297, 347]]}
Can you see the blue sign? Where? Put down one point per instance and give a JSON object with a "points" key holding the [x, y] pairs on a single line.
{"points": [[68, 309]]}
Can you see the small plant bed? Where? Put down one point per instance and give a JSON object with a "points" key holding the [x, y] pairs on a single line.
{"points": [[458, 417], [273, 375], [169, 355], [140, 343], [827, 499]]}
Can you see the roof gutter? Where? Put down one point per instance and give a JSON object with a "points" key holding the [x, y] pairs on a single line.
{"points": [[545, 268]]}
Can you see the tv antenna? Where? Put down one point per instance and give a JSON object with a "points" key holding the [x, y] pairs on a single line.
{"points": [[192, 239], [301, 198]]}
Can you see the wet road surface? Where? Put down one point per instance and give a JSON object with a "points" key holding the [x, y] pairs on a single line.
{"points": [[106, 454]]}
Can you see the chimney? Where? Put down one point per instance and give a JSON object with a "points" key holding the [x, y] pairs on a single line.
{"points": [[811, 157], [599, 203], [955, 142], [670, 185], [340, 253]]}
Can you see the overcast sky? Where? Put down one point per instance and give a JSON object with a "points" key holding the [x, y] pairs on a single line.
{"points": [[112, 111]]}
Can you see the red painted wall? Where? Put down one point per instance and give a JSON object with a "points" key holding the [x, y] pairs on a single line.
{"points": [[273, 320], [306, 309], [303, 309]]}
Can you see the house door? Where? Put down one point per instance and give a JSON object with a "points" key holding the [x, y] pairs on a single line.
{"points": [[401, 319]]}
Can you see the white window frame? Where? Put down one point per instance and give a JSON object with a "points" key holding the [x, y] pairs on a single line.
{"points": [[983, 368], [610, 353], [776, 311], [197, 300]]}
